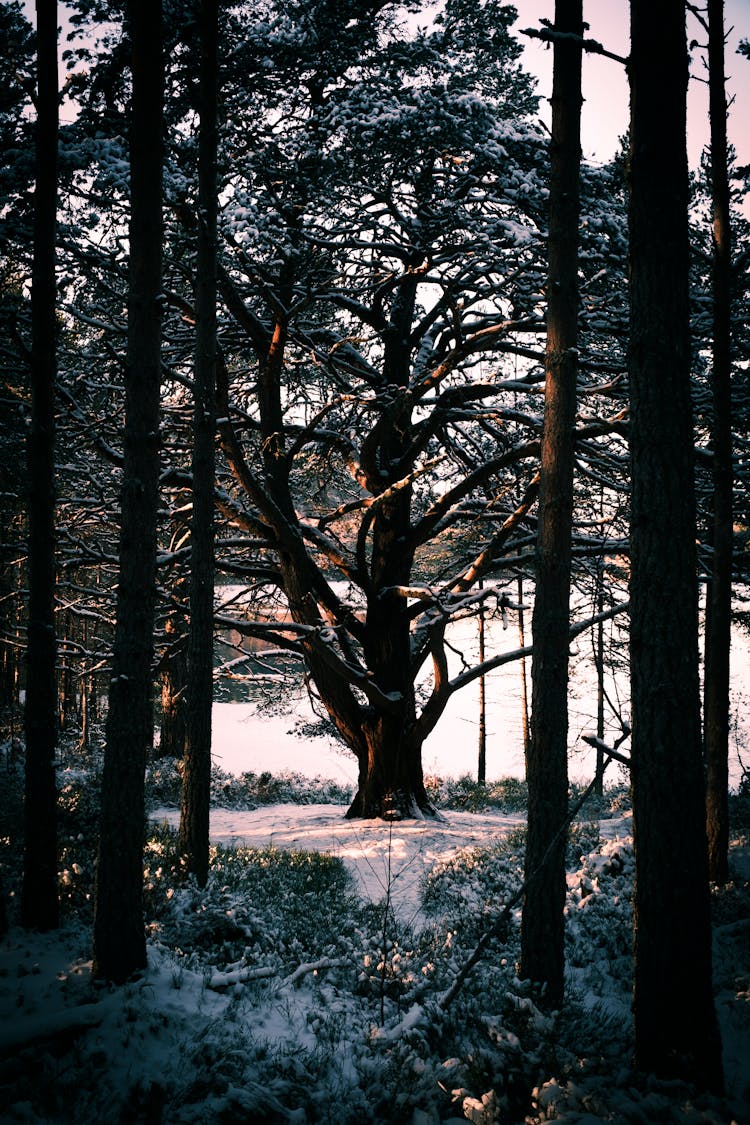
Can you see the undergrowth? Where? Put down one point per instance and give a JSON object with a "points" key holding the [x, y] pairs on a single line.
{"points": [[300, 983]]}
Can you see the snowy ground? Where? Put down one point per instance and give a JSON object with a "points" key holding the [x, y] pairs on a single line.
{"points": [[381, 858], [328, 1009], [378, 856]]}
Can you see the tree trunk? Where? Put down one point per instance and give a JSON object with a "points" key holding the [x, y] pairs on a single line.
{"points": [[482, 748], [196, 778], [542, 925], [719, 594], [119, 939], [525, 732], [39, 900], [173, 681], [391, 782], [676, 1032]]}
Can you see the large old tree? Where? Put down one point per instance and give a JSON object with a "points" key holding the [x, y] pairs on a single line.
{"points": [[383, 259], [381, 278]]}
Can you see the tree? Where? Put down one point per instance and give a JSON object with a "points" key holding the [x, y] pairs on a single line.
{"points": [[542, 930], [119, 939], [719, 592], [362, 204], [675, 1026], [196, 778], [39, 900], [382, 269]]}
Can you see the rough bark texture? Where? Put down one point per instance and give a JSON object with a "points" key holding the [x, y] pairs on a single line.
{"points": [[196, 778], [173, 681], [119, 939], [675, 1025], [542, 928], [719, 595], [39, 900]]}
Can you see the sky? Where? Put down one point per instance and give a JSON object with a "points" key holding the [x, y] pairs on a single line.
{"points": [[605, 111], [605, 88]]}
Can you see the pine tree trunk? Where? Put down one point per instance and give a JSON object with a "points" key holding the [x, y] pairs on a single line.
{"points": [[482, 748], [39, 900], [719, 595], [391, 781], [172, 728], [196, 778], [119, 939], [676, 1032], [542, 926]]}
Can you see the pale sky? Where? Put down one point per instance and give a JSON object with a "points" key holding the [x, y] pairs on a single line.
{"points": [[605, 87]]}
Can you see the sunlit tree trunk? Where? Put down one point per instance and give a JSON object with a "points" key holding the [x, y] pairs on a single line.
{"points": [[173, 683], [719, 595], [196, 778], [119, 939], [676, 1033], [482, 747], [39, 898], [525, 733], [542, 926]]}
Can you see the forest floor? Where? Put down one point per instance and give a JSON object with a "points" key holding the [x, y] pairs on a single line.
{"points": [[308, 982]]}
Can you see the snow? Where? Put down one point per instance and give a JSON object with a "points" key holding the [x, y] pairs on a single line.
{"points": [[292, 1041], [380, 857]]}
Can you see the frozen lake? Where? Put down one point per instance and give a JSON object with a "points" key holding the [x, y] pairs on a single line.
{"points": [[258, 733]]}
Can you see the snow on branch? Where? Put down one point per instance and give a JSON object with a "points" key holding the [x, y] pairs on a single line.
{"points": [[304, 970], [220, 981], [592, 46]]}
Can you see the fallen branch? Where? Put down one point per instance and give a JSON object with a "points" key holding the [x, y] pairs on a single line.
{"points": [[313, 967], [219, 981], [600, 744]]}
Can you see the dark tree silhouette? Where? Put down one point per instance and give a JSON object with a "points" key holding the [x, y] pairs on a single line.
{"points": [[719, 595], [676, 1032], [119, 939], [542, 932], [196, 778], [39, 900]]}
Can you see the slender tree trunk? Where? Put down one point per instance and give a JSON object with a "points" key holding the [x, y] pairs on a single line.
{"points": [[719, 594], [196, 778], [482, 750], [599, 660], [676, 1033], [542, 926], [119, 939], [525, 733], [39, 899]]}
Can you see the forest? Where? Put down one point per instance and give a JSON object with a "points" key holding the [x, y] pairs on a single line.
{"points": [[323, 343]]}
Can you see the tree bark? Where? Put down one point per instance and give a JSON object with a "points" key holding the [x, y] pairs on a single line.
{"points": [[196, 778], [719, 593], [39, 898], [119, 939], [676, 1033], [482, 747], [173, 686], [542, 926]]}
